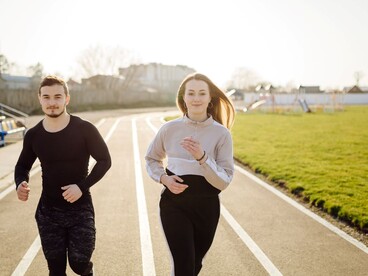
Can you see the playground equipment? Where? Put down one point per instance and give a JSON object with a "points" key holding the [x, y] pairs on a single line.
{"points": [[255, 104], [304, 105], [297, 101], [262, 99], [230, 92]]}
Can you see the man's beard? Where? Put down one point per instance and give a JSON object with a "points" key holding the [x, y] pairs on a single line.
{"points": [[54, 115]]}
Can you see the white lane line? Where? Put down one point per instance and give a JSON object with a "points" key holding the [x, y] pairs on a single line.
{"points": [[154, 129], [144, 228], [31, 253], [106, 138], [11, 187], [248, 241], [28, 258], [112, 130], [304, 210], [100, 122]]}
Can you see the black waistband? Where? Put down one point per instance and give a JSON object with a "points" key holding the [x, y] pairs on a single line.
{"points": [[198, 186]]}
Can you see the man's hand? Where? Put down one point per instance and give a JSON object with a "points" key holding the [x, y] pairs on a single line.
{"points": [[23, 191], [72, 193], [171, 182]]}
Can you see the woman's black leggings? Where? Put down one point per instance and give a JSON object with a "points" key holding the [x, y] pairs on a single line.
{"points": [[189, 223]]}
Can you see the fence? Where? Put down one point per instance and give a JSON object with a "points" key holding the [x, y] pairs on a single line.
{"points": [[27, 100], [315, 99]]}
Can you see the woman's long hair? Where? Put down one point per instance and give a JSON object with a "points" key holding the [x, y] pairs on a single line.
{"points": [[221, 108]]}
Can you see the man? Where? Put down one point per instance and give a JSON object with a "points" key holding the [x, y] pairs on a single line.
{"points": [[65, 215]]}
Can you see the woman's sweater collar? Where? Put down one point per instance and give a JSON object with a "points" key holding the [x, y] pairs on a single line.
{"points": [[207, 122]]}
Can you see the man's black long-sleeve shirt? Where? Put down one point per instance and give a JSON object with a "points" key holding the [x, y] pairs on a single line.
{"points": [[64, 157]]}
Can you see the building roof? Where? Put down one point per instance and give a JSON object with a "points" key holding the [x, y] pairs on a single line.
{"points": [[310, 89], [18, 79], [355, 89]]}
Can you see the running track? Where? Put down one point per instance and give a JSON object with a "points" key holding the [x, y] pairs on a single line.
{"points": [[261, 231]]}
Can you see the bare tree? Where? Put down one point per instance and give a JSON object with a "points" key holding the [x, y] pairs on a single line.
{"points": [[13, 68], [244, 78], [4, 64], [35, 70], [16, 69], [104, 60], [358, 76]]}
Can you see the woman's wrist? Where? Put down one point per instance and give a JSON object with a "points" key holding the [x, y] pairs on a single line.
{"points": [[202, 157], [161, 178]]}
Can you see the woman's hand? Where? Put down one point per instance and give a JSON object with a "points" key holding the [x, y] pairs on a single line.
{"points": [[171, 182], [193, 147]]}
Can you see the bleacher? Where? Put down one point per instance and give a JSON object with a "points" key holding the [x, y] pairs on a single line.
{"points": [[12, 127]]}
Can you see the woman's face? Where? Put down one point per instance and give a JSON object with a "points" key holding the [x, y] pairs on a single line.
{"points": [[197, 97]]}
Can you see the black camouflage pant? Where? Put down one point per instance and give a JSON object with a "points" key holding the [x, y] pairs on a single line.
{"points": [[65, 233]]}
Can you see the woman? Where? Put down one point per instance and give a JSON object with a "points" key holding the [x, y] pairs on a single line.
{"points": [[200, 165]]}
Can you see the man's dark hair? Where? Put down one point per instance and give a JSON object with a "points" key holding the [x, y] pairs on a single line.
{"points": [[52, 80]]}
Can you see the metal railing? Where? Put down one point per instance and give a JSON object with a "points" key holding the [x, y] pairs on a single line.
{"points": [[13, 113]]}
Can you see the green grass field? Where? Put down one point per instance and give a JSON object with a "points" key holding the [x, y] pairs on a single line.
{"points": [[322, 157]]}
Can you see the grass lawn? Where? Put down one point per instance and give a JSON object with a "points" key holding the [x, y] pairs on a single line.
{"points": [[322, 157]]}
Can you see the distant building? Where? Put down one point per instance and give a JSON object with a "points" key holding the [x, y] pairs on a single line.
{"points": [[74, 85], [355, 89], [238, 95], [104, 82], [364, 89], [267, 88], [309, 89], [155, 77], [2, 83], [10, 82]]}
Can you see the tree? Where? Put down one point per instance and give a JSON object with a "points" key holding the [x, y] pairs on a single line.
{"points": [[35, 70], [358, 76], [244, 78], [103, 60], [4, 64]]}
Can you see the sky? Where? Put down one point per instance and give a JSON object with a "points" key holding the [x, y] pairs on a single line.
{"points": [[285, 42]]}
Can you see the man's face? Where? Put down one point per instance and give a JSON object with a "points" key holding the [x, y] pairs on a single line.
{"points": [[53, 100]]}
